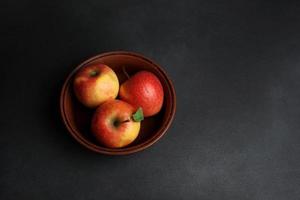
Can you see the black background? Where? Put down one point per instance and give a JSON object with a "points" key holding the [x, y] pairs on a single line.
{"points": [[236, 70]]}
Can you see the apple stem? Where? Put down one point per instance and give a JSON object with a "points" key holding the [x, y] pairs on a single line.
{"points": [[127, 120], [125, 72], [117, 123]]}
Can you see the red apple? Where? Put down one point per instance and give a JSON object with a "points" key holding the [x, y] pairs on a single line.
{"points": [[144, 90], [115, 123], [95, 84]]}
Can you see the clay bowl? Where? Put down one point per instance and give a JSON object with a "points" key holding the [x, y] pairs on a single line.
{"points": [[77, 118]]}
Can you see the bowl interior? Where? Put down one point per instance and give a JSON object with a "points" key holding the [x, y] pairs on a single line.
{"points": [[78, 118]]}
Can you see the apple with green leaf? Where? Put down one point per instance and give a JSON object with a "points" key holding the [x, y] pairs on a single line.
{"points": [[95, 84], [144, 90], [116, 124]]}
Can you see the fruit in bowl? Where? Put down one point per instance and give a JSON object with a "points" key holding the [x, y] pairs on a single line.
{"points": [[116, 123], [144, 90], [94, 84], [78, 117]]}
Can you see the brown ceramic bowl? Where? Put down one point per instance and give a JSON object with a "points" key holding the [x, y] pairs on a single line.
{"points": [[77, 118]]}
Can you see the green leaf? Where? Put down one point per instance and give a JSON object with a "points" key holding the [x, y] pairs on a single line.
{"points": [[138, 115]]}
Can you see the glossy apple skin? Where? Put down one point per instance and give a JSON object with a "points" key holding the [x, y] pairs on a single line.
{"points": [[95, 84], [144, 90], [112, 124]]}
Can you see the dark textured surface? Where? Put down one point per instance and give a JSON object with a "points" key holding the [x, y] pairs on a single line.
{"points": [[236, 70]]}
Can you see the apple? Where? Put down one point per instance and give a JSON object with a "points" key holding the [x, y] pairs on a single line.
{"points": [[115, 123], [144, 90], [95, 84]]}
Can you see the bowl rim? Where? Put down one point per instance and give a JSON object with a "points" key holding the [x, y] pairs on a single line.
{"points": [[126, 150]]}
